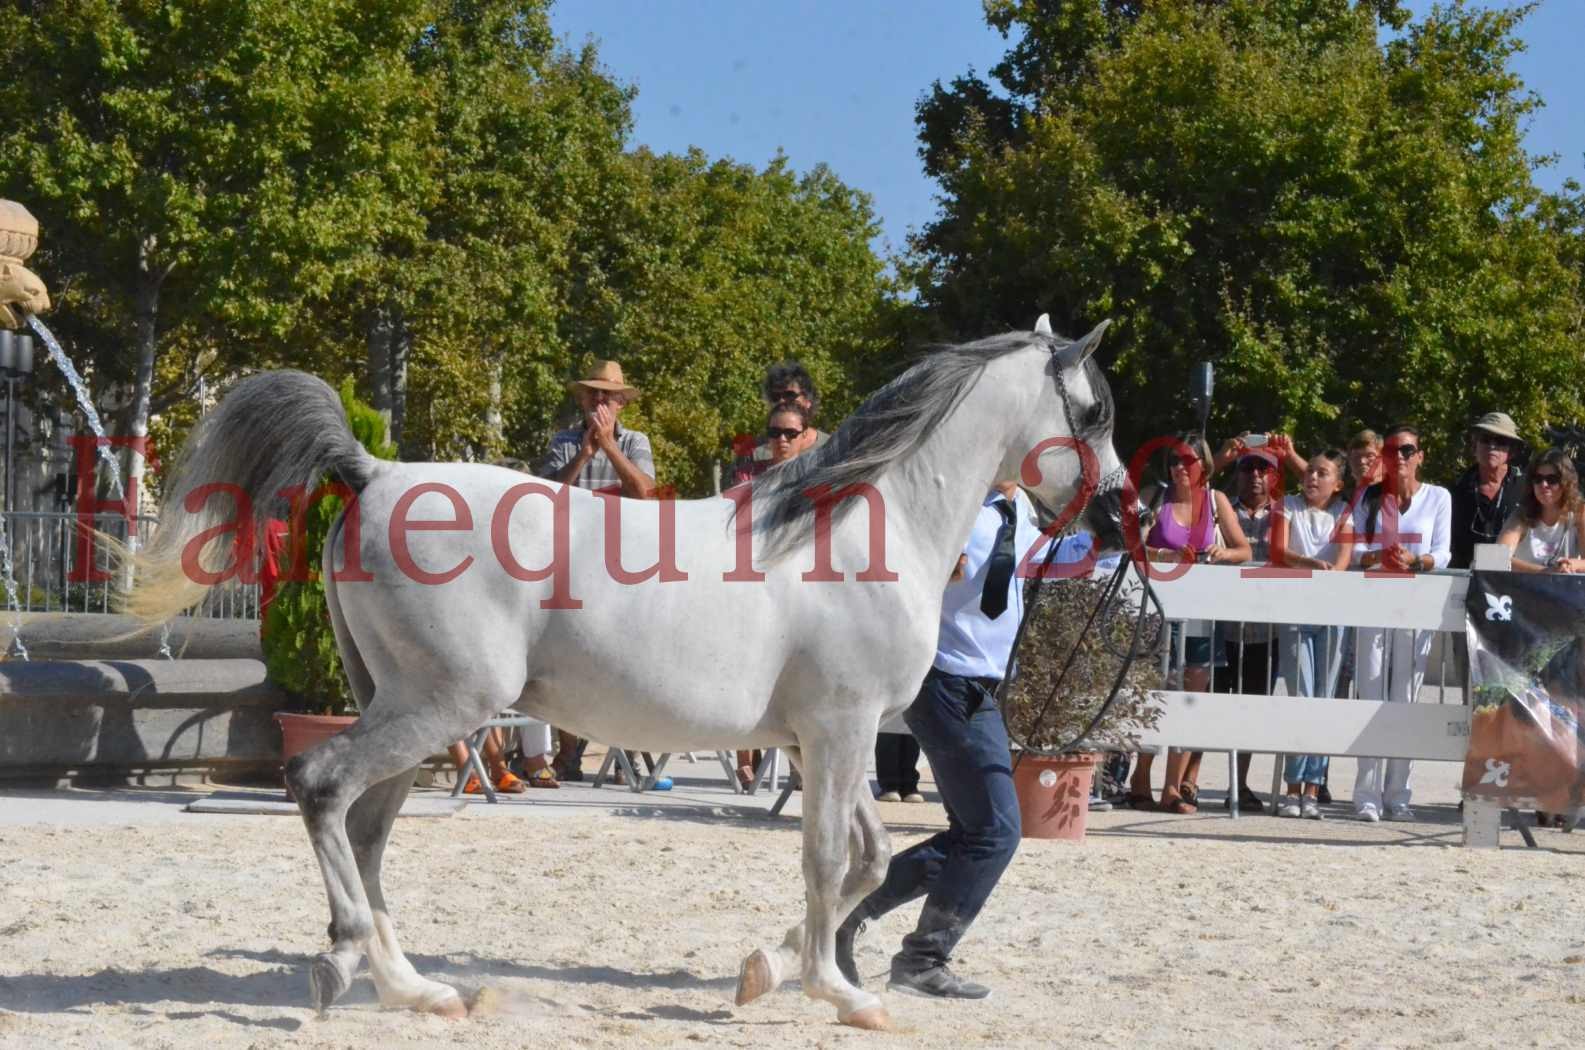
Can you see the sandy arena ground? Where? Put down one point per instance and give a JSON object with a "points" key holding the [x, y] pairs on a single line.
{"points": [[600, 918]]}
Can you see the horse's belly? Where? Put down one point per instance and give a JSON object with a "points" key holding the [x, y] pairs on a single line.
{"points": [[630, 713]]}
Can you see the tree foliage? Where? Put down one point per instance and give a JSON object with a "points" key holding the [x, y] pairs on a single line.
{"points": [[202, 168], [1348, 227], [702, 274], [431, 196]]}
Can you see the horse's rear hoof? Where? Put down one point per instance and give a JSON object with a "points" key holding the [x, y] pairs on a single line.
{"points": [[754, 979], [871, 1018], [326, 982], [452, 1008]]}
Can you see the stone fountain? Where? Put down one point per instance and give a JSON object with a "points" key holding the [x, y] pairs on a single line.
{"points": [[21, 291]]}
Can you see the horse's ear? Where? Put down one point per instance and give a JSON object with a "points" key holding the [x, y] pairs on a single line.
{"points": [[1074, 354], [1043, 325]]}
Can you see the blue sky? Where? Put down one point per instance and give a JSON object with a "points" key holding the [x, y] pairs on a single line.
{"points": [[836, 81]]}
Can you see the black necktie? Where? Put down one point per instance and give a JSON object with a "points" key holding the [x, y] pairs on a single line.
{"points": [[993, 600]]}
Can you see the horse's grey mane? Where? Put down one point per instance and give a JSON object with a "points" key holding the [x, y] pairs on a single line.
{"points": [[889, 424]]}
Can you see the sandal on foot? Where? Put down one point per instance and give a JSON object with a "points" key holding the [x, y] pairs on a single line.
{"points": [[1141, 802], [542, 778], [1181, 806], [473, 787], [745, 777], [508, 784], [1189, 793]]}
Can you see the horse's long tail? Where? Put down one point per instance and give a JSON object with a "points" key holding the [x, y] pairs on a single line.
{"points": [[273, 431]]}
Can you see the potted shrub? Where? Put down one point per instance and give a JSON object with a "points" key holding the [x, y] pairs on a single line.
{"points": [[299, 644], [1054, 789]]}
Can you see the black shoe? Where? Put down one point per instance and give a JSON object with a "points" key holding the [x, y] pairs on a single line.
{"points": [[847, 935], [936, 983], [1324, 797]]}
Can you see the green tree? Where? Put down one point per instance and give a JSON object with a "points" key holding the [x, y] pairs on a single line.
{"points": [[1349, 228], [202, 168], [703, 273], [528, 140]]}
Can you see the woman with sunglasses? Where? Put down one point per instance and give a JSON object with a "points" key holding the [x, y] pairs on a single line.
{"points": [[785, 431], [1547, 531], [1195, 522], [1402, 525]]}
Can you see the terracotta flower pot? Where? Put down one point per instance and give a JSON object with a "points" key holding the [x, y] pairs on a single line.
{"points": [[1054, 794], [301, 732]]}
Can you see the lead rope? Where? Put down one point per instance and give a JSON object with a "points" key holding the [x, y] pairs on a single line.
{"points": [[1109, 595]]}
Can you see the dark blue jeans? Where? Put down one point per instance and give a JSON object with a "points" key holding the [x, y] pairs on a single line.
{"points": [[961, 732]]}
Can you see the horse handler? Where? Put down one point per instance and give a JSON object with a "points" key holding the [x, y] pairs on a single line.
{"points": [[960, 730]]}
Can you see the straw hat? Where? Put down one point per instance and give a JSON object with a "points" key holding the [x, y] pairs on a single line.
{"points": [[1498, 423], [605, 375]]}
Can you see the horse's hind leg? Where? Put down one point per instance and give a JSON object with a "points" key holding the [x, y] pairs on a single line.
{"points": [[327, 780], [833, 838], [869, 852], [368, 829]]}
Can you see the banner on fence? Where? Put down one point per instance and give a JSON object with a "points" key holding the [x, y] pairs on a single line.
{"points": [[1527, 671]]}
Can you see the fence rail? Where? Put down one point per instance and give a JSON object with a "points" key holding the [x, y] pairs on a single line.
{"points": [[1256, 717], [50, 565]]}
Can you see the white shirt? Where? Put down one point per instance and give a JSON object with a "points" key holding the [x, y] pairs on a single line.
{"points": [[1542, 542], [1312, 531], [972, 644], [1425, 528]]}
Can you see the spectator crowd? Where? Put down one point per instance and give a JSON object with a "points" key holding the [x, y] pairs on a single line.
{"points": [[1364, 507]]}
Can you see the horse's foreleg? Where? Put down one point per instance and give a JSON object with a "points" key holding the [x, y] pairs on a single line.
{"points": [[869, 851], [326, 781], [368, 829]]}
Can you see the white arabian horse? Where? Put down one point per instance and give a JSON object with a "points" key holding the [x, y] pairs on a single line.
{"points": [[474, 589]]}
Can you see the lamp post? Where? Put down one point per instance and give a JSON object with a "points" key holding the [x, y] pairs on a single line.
{"points": [[16, 365]]}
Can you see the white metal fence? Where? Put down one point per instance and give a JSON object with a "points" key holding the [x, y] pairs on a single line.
{"points": [[50, 564], [1258, 718]]}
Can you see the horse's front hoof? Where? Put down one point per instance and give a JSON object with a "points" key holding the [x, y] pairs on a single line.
{"points": [[871, 1018], [755, 978]]}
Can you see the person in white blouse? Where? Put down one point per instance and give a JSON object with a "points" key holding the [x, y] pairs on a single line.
{"points": [[1547, 531], [1306, 536], [1402, 525]]}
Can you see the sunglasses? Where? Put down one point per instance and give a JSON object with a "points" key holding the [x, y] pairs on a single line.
{"points": [[1550, 480], [1492, 440], [789, 433], [1250, 466], [1406, 451], [786, 395]]}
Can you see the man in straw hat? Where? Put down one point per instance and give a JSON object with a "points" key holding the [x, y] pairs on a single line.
{"points": [[1488, 492], [601, 455], [598, 453]]}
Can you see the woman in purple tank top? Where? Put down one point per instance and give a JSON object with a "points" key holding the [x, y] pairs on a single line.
{"points": [[1186, 527]]}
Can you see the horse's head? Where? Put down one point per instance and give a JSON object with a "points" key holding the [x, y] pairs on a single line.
{"points": [[1063, 455]]}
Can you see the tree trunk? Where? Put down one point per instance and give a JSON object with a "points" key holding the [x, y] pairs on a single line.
{"points": [[494, 418], [401, 349], [377, 337], [389, 343]]}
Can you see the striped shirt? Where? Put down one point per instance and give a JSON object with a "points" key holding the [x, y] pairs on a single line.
{"points": [[599, 473]]}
